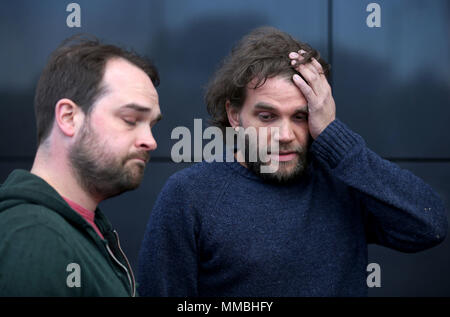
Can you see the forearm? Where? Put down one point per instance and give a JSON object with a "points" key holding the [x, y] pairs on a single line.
{"points": [[403, 212]]}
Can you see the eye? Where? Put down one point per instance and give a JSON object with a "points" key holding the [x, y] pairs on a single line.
{"points": [[301, 117], [129, 121], [265, 116]]}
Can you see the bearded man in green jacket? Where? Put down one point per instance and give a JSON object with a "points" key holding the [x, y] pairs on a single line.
{"points": [[95, 105]]}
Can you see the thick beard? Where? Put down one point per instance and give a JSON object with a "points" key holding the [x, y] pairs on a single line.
{"points": [[279, 177], [97, 170]]}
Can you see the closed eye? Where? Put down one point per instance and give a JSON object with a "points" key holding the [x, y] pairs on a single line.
{"points": [[266, 116], [130, 122]]}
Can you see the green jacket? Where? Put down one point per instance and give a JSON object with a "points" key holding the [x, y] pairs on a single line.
{"points": [[48, 249]]}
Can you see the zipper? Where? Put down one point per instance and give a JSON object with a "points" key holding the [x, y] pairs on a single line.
{"points": [[130, 278]]}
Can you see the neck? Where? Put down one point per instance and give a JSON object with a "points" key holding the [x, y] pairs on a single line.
{"points": [[56, 170]]}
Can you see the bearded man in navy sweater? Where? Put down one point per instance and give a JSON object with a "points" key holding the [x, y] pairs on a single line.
{"points": [[228, 229]]}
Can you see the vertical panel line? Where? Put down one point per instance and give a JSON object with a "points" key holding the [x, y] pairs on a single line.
{"points": [[330, 40]]}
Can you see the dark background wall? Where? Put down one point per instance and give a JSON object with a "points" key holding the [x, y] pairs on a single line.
{"points": [[391, 85]]}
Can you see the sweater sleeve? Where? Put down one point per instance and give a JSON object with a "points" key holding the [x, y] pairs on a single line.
{"points": [[168, 256], [401, 211]]}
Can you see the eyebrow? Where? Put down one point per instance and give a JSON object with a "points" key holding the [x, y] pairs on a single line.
{"points": [[142, 109], [137, 107], [266, 106]]}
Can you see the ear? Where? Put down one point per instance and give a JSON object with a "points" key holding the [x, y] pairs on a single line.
{"points": [[68, 116], [232, 114]]}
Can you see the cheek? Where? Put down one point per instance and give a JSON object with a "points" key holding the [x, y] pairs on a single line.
{"points": [[110, 130], [111, 142], [302, 134], [247, 119], [269, 135]]}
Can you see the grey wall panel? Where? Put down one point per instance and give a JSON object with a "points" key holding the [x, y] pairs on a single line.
{"points": [[425, 273], [186, 40], [6, 167], [31, 30], [17, 125], [392, 84]]}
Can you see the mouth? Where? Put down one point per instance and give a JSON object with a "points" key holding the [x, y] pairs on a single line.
{"points": [[284, 156], [138, 162], [140, 159]]}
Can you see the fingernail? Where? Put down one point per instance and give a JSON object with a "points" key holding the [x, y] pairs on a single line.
{"points": [[293, 62], [302, 51], [296, 77], [293, 55]]}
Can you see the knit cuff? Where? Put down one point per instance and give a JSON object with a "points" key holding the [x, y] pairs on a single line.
{"points": [[334, 143]]}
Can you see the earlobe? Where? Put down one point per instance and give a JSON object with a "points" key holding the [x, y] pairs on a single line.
{"points": [[232, 114], [65, 116]]}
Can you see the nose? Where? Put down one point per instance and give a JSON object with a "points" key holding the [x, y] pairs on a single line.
{"points": [[286, 134], [145, 140]]}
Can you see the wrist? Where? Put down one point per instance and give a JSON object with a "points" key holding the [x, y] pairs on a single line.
{"points": [[334, 143]]}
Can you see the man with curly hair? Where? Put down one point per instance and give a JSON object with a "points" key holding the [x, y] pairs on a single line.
{"points": [[227, 229]]}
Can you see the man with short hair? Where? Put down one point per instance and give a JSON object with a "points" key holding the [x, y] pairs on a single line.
{"points": [[228, 229], [95, 105]]}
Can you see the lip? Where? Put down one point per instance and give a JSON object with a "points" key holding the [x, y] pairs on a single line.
{"points": [[284, 156], [140, 160]]}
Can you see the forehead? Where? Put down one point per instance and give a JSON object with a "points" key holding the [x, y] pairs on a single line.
{"points": [[278, 91], [127, 83]]}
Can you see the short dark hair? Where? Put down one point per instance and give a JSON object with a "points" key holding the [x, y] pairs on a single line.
{"points": [[261, 54], [75, 71]]}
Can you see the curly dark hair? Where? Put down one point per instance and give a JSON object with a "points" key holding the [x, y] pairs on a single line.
{"points": [[261, 54]]}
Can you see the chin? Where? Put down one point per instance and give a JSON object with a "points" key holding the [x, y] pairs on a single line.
{"points": [[285, 174]]}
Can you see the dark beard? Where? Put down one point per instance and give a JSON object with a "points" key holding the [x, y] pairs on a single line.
{"points": [[278, 178], [98, 171]]}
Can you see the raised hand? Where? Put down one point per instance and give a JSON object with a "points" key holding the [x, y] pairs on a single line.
{"points": [[317, 91]]}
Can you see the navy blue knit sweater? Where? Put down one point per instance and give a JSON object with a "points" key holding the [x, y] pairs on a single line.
{"points": [[218, 230]]}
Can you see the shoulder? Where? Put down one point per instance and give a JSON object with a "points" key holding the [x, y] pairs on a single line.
{"points": [[198, 185], [26, 220], [199, 176], [35, 254], [29, 231]]}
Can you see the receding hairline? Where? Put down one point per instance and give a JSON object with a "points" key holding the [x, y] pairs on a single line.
{"points": [[104, 88]]}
